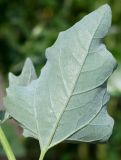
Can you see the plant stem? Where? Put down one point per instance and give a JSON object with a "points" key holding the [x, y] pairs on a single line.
{"points": [[42, 155], [6, 146]]}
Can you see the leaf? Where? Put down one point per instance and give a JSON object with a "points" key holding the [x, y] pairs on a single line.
{"points": [[68, 100], [28, 74]]}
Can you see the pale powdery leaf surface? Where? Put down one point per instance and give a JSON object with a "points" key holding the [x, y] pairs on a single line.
{"points": [[68, 100], [28, 74]]}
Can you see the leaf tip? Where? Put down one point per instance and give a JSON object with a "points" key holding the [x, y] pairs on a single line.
{"points": [[106, 6], [106, 9], [28, 63], [28, 66]]}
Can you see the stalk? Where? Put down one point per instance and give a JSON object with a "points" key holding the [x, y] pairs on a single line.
{"points": [[42, 155], [6, 146]]}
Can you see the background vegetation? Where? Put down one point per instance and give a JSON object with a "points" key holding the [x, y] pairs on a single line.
{"points": [[27, 28]]}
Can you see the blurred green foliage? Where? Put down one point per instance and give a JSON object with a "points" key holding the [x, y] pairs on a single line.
{"points": [[13, 138], [27, 28]]}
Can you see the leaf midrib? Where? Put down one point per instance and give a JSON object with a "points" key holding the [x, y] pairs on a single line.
{"points": [[56, 124]]}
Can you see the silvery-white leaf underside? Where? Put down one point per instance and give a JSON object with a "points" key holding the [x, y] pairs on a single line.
{"points": [[68, 100]]}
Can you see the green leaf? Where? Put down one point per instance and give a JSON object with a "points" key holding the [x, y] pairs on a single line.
{"points": [[68, 100]]}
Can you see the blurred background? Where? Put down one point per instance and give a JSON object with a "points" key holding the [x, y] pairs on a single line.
{"points": [[27, 28]]}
